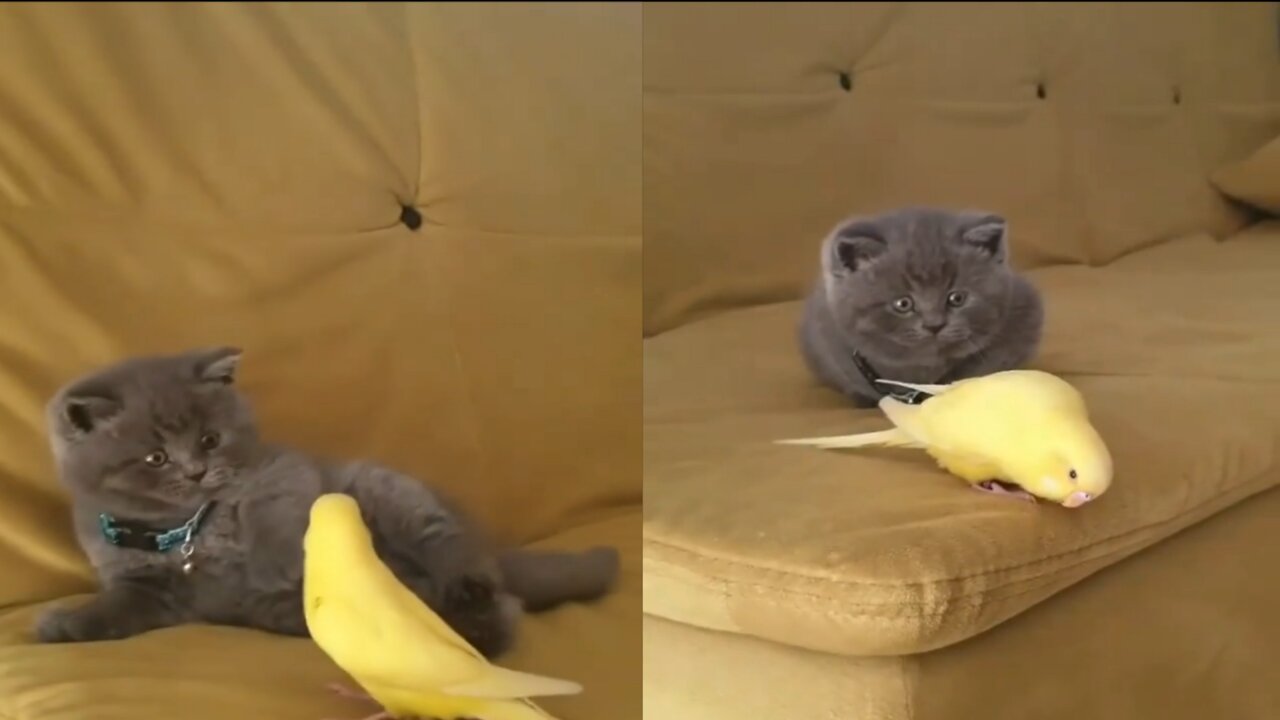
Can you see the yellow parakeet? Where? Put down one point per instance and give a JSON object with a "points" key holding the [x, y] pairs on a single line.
{"points": [[395, 646], [1022, 427]]}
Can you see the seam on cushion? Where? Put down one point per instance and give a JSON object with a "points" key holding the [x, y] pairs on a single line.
{"points": [[416, 188], [954, 602], [420, 155], [526, 235], [711, 559], [173, 223], [475, 423], [471, 415], [743, 94], [891, 584], [132, 217]]}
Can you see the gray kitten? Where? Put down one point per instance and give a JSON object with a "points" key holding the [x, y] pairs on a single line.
{"points": [[143, 445], [917, 295]]}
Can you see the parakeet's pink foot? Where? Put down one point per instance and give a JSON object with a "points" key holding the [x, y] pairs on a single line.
{"points": [[996, 487], [343, 691]]}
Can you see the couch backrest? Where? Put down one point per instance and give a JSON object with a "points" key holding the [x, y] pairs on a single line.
{"points": [[175, 176], [1092, 127]]}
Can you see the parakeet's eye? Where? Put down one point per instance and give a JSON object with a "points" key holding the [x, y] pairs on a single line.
{"points": [[1073, 475], [903, 305], [956, 298]]}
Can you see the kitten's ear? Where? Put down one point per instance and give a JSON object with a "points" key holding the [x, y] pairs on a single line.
{"points": [[218, 365], [852, 246], [80, 413], [988, 233]]}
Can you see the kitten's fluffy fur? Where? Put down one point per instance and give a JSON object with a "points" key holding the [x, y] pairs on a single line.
{"points": [[186, 410], [883, 291]]}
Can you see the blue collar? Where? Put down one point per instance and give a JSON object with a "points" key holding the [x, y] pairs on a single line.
{"points": [[130, 534]]}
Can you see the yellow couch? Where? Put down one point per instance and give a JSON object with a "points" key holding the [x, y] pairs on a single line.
{"points": [[420, 221], [1128, 146]]}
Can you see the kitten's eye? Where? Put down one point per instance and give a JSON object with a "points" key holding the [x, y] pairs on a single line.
{"points": [[956, 298], [156, 459], [903, 304], [209, 441]]}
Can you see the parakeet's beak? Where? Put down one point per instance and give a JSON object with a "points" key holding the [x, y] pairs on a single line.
{"points": [[1076, 499]]}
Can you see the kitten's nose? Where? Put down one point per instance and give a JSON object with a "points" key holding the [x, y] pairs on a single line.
{"points": [[935, 327], [196, 474]]}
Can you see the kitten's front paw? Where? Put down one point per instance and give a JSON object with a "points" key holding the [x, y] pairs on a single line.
{"points": [[61, 625], [86, 623]]}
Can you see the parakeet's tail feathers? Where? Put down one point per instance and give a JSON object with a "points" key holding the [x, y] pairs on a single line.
{"points": [[543, 579], [931, 389], [519, 710], [883, 438], [498, 683]]}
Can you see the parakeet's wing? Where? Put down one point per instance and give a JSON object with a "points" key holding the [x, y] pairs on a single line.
{"points": [[988, 418], [490, 681], [371, 639], [381, 633], [907, 420]]}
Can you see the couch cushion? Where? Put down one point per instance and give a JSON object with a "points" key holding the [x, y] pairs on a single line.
{"points": [[210, 672], [883, 553], [1092, 127], [1186, 631]]}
